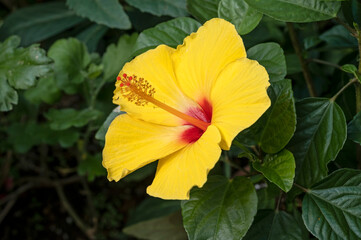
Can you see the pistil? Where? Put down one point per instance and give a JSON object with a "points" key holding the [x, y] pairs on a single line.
{"points": [[139, 91]]}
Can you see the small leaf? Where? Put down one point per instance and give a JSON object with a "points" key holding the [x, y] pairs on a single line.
{"points": [[270, 55], [278, 168], [297, 10], [92, 167], [22, 66], [71, 58], [39, 22], [221, 209], [117, 55], [354, 128], [203, 10], [173, 8], [66, 118], [107, 12], [166, 227], [276, 126], [238, 12], [332, 207], [271, 225], [320, 135], [350, 68], [8, 96], [170, 33], [91, 36], [45, 91]]}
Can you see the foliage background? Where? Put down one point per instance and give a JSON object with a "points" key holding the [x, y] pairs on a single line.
{"points": [[294, 171]]}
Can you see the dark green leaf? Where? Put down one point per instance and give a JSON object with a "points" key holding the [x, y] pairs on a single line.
{"points": [[332, 207], [71, 58], [320, 135], [221, 209], [170, 33], [271, 225], [166, 227], [39, 22], [203, 10], [117, 55], [297, 10], [107, 12], [267, 196], [270, 55], [350, 68], [173, 8], [100, 135], [45, 91], [354, 128], [92, 167], [91, 36], [8, 96], [238, 12], [66, 118], [278, 168], [153, 208], [339, 37], [277, 125]]}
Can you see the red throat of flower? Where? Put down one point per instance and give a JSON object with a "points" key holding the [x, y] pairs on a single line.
{"points": [[140, 92]]}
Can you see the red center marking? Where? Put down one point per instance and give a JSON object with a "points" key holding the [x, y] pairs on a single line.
{"points": [[204, 113]]}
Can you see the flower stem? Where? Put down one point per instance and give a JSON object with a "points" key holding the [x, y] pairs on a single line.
{"points": [[325, 63], [298, 50], [302, 188]]}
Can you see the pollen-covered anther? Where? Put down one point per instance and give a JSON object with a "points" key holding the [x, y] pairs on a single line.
{"points": [[134, 89]]}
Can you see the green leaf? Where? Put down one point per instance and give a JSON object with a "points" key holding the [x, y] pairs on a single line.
{"points": [[332, 207], [71, 58], [350, 68], [153, 208], [68, 117], [271, 225], [166, 227], [100, 135], [170, 33], [320, 135], [117, 55], [39, 22], [91, 36], [238, 12], [22, 66], [221, 209], [276, 126], [270, 55], [107, 12], [92, 167], [354, 128], [278, 168], [339, 37], [203, 10], [173, 8], [267, 196], [297, 10], [8, 96], [45, 91]]}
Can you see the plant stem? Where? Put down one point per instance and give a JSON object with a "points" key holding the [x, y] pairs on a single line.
{"points": [[302, 188], [298, 50], [324, 63], [352, 81]]}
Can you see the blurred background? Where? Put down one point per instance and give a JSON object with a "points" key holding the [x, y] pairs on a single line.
{"points": [[58, 63]]}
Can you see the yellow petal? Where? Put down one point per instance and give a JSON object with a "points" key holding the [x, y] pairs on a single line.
{"points": [[180, 171], [204, 54], [239, 97], [130, 144], [156, 67]]}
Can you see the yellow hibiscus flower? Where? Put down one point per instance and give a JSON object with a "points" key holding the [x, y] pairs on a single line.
{"points": [[182, 107]]}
